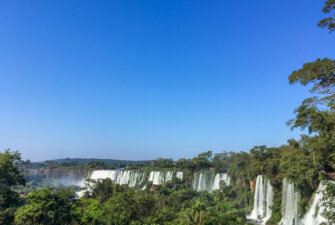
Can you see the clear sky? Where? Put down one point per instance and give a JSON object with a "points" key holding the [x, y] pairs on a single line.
{"points": [[146, 79]]}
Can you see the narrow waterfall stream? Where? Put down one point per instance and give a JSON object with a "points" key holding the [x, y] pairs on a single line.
{"points": [[159, 177], [290, 199], [209, 181], [269, 201], [220, 177], [314, 215], [263, 201]]}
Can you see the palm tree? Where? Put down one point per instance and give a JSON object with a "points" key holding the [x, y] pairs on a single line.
{"points": [[197, 212]]}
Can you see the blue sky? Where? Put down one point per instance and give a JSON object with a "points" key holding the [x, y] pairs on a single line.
{"points": [[148, 79]]}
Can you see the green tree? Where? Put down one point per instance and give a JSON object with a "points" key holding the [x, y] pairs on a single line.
{"points": [[203, 160], [46, 207], [96, 164], [328, 22], [10, 175], [317, 113], [162, 163], [221, 161], [239, 168], [196, 214], [10, 169], [144, 205], [118, 210], [87, 212], [103, 189], [258, 159], [321, 75], [329, 203]]}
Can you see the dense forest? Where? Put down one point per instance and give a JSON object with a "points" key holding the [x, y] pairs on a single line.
{"points": [[306, 162]]}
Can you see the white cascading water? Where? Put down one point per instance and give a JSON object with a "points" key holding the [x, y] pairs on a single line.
{"points": [[159, 177], [130, 177], [220, 177], [204, 181], [103, 174], [263, 200], [179, 175], [137, 179], [258, 209], [269, 201], [290, 199], [314, 215], [134, 178], [208, 181], [123, 177], [168, 176]]}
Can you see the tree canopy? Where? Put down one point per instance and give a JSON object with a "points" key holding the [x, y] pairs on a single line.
{"points": [[328, 22]]}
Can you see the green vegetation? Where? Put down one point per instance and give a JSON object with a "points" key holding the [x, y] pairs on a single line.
{"points": [[328, 22], [46, 207], [329, 203], [114, 204], [9, 176], [306, 162], [86, 164]]}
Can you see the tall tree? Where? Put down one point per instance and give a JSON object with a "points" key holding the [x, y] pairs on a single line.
{"points": [[329, 203], [10, 169], [328, 22], [46, 206], [317, 113], [9, 175], [321, 73]]}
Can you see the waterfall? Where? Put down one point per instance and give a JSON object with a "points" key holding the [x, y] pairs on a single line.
{"points": [[103, 174], [123, 177], [203, 181], [206, 181], [134, 178], [157, 177], [269, 200], [130, 177], [263, 200], [160, 177], [314, 215], [168, 176], [290, 199], [179, 175], [218, 178]]}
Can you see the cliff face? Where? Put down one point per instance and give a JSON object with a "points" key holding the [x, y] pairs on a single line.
{"points": [[75, 173], [329, 175], [252, 186]]}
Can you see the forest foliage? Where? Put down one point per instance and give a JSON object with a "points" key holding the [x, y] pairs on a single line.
{"points": [[306, 161]]}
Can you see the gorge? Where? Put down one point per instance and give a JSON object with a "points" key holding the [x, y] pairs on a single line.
{"points": [[210, 181], [201, 181]]}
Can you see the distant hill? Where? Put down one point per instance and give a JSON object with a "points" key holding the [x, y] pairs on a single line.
{"points": [[109, 161]]}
